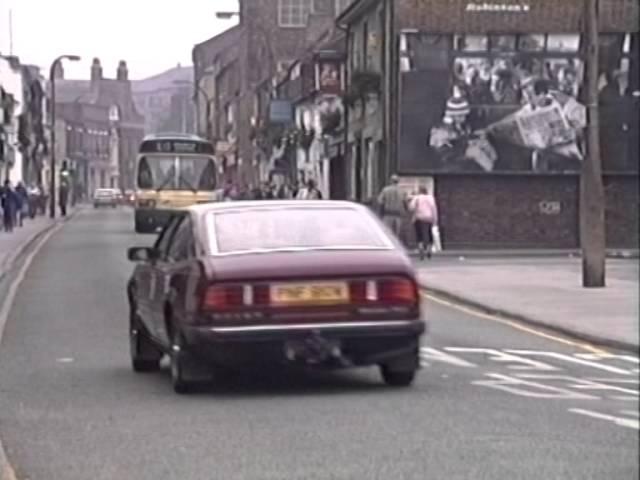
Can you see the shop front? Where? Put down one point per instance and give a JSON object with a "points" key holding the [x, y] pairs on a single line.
{"points": [[491, 106]]}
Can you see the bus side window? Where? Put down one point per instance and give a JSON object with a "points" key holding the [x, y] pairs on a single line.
{"points": [[208, 177], [145, 177]]}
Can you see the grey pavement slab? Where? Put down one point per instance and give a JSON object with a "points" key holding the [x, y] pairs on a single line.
{"points": [[547, 292]]}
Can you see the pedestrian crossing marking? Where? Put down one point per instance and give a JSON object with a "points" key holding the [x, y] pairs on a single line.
{"points": [[527, 388], [569, 358], [623, 422]]}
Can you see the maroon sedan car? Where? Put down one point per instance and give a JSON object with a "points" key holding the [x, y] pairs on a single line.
{"points": [[235, 284]]}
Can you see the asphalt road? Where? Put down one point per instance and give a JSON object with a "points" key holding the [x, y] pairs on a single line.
{"points": [[492, 402]]}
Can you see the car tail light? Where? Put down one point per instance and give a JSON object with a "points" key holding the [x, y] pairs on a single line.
{"points": [[385, 290], [398, 290], [223, 297]]}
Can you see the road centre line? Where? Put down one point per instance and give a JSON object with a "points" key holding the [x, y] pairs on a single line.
{"points": [[623, 422], [514, 324], [569, 358]]}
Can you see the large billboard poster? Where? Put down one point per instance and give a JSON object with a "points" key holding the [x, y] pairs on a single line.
{"points": [[503, 104]]}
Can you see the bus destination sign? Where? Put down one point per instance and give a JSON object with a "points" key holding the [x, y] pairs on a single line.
{"points": [[176, 146]]}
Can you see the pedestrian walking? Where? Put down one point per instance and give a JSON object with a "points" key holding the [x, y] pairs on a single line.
{"points": [[65, 187], [392, 203], [22, 210], [310, 192], [9, 205], [63, 199], [424, 218]]}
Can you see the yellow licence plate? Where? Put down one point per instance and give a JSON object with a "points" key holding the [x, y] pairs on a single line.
{"points": [[328, 293]]}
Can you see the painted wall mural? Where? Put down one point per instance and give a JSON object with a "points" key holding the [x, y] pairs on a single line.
{"points": [[511, 103]]}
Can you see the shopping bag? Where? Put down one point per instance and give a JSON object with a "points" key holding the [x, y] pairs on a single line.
{"points": [[437, 240]]}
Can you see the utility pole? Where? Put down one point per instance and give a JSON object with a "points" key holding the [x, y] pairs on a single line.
{"points": [[592, 208]]}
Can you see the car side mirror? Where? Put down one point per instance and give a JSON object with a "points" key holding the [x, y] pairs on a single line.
{"points": [[141, 254]]}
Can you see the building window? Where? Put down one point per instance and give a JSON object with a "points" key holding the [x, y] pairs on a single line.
{"points": [[294, 13]]}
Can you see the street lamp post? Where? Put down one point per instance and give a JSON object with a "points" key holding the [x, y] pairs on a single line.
{"points": [[52, 165]]}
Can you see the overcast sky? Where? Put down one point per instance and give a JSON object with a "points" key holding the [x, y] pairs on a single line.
{"points": [[151, 35]]}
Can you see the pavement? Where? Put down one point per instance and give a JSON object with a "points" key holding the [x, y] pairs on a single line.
{"points": [[544, 291], [13, 244], [492, 401]]}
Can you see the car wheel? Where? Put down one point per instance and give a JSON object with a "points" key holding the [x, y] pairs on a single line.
{"points": [[181, 364], [397, 378], [145, 356]]}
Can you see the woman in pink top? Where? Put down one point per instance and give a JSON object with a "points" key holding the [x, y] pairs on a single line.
{"points": [[425, 216]]}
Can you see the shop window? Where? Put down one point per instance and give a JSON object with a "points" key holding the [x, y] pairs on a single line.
{"points": [[472, 43], [563, 42], [502, 43], [428, 52], [531, 43]]}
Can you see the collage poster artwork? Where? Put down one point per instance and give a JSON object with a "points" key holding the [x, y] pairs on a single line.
{"points": [[504, 111]]}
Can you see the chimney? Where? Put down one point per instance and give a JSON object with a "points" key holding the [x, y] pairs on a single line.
{"points": [[96, 70], [58, 72], [123, 72]]}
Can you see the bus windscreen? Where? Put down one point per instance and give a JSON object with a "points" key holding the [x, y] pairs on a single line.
{"points": [[160, 172]]}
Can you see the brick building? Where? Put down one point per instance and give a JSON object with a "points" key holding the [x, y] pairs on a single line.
{"points": [[271, 35], [484, 100], [114, 97], [312, 145]]}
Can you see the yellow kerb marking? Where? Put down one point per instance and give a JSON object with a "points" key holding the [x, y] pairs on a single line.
{"points": [[516, 325]]}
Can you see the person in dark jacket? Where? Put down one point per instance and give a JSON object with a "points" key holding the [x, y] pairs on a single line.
{"points": [[9, 206], [23, 203]]}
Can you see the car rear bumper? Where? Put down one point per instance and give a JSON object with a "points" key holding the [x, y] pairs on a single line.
{"points": [[359, 343]]}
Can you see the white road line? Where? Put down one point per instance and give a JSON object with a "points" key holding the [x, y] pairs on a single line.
{"points": [[434, 355], [608, 356], [623, 422], [578, 383], [569, 358], [503, 356], [526, 388], [631, 413]]}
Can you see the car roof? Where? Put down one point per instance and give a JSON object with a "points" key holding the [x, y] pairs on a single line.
{"points": [[203, 208]]}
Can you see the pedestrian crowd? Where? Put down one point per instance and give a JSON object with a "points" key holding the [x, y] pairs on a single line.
{"points": [[394, 205], [19, 203], [270, 191]]}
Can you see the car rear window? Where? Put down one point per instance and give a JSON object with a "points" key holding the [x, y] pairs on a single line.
{"points": [[105, 193], [269, 229]]}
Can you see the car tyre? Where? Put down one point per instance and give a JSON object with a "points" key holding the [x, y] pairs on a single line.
{"points": [[145, 356], [397, 378], [180, 364]]}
